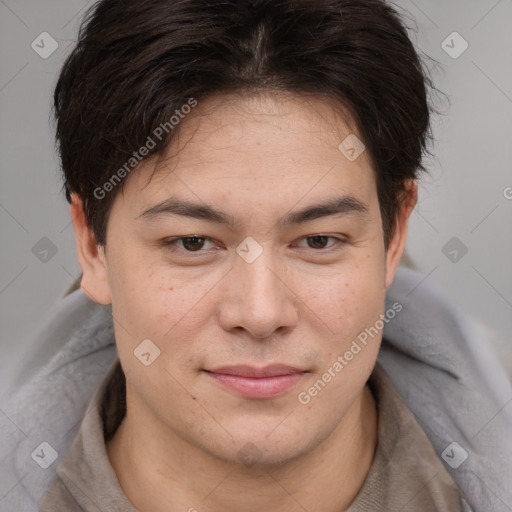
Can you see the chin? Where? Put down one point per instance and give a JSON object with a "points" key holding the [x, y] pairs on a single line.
{"points": [[266, 448]]}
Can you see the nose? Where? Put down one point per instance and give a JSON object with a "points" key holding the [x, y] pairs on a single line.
{"points": [[257, 298]]}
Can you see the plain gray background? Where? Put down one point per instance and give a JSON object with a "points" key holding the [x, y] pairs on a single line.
{"points": [[468, 194]]}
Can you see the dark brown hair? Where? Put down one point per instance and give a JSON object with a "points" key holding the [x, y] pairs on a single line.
{"points": [[139, 61]]}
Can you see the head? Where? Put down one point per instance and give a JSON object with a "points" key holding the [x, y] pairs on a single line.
{"points": [[282, 141]]}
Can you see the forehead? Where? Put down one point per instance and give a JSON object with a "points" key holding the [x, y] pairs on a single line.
{"points": [[256, 145]]}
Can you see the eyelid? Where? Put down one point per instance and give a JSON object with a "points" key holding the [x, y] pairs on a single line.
{"points": [[339, 241], [170, 243]]}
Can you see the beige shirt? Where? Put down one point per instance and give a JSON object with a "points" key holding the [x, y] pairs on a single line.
{"points": [[406, 474]]}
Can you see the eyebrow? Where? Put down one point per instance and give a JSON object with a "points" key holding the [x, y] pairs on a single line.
{"points": [[344, 205]]}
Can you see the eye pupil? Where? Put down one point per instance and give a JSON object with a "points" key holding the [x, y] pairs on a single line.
{"points": [[195, 240], [318, 239]]}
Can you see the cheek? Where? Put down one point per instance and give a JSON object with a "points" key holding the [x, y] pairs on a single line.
{"points": [[157, 303], [138, 281], [349, 300], [350, 306]]}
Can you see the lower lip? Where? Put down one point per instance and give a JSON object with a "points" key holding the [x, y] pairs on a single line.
{"points": [[259, 388]]}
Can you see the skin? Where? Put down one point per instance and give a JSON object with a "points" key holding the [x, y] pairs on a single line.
{"points": [[299, 303]]}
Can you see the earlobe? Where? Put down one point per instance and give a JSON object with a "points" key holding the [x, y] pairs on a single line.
{"points": [[397, 243], [91, 256]]}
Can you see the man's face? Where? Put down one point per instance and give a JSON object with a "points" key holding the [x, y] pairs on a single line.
{"points": [[259, 291]]}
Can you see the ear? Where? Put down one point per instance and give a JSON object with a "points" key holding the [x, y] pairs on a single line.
{"points": [[91, 256], [397, 243]]}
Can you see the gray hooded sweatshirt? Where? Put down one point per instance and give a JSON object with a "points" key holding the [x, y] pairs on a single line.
{"points": [[447, 376]]}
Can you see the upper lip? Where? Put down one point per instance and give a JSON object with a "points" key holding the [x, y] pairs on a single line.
{"points": [[252, 371]]}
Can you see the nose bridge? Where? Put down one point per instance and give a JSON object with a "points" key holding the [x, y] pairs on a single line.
{"points": [[259, 301], [260, 279], [260, 287]]}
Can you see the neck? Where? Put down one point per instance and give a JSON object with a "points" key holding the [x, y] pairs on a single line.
{"points": [[148, 457]]}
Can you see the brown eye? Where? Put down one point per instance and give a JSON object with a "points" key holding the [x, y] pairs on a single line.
{"points": [[193, 243], [186, 243], [320, 241]]}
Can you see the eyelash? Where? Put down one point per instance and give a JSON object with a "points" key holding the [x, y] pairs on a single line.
{"points": [[170, 244]]}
